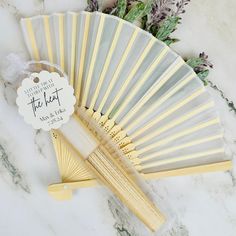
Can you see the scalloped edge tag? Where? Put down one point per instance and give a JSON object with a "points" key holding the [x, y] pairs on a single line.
{"points": [[45, 100]]}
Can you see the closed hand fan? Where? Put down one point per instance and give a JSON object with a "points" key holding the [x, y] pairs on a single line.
{"points": [[134, 88]]}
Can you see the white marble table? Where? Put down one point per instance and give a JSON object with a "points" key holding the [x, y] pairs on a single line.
{"points": [[199, 205]]}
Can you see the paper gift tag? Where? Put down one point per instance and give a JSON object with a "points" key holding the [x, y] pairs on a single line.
{"points": [[45, 100]]}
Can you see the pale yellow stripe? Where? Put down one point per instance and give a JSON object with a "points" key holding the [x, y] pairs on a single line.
{"points": [[141, 82], [165, 114], [82, 56], [93, 60], [178, 121], [218, 166], [106, 64], [59, 188], [73, 48], [48, 38], [182, 146], [131, 74], [61, 41], [155, 105], [31, 34], [118, 69], [178, 135], [182, 158]]}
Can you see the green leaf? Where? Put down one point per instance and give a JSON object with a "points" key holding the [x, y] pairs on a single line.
{"points": [[135, 12], [194, 62], [169, 41], [121, 8], [167, 27], [203, 74], [148, 7]]}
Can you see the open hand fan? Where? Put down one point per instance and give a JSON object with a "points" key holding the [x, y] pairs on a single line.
{"points": [[142, 94]]}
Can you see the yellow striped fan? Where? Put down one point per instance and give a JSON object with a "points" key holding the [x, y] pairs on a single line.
{"points": [[137, 89]]}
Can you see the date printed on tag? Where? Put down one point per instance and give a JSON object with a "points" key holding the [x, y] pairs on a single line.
{"points": [[45, 100]]}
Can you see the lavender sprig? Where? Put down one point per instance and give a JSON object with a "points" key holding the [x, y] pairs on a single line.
{"points": [[161, 9], [164, 18], [92, 5], [201, 66], [180, 7]]}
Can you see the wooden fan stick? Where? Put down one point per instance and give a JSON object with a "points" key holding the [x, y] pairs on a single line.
{"points": [[105, 167], [111, 173], [58, 189], [87, 181], [106, 64], [118, 69], [82, 56], [120, 135], [179, 147]]}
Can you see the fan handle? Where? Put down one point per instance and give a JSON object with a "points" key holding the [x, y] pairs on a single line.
{"points": [[110, 172]]}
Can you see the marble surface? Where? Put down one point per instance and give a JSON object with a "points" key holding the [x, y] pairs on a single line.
{"points": [[198, 205]]}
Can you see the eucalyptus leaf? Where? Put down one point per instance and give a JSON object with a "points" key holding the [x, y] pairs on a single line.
{"points": [[135, 12], [121, 8], [203, 74], [148, 7], [167, 27], [169, 41], [194, 62]]}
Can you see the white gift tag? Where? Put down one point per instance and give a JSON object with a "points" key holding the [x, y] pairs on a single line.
{"points": [[45, 100]]}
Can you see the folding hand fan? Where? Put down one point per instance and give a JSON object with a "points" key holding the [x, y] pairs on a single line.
{"points": [[135, 88]]}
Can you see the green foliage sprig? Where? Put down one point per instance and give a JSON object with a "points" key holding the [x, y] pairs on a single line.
{"points": [[158, 17], [201, 66], [121, 8], [166, 28]]}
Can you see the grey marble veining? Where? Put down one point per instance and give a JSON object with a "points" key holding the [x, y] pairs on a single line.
{"points": [[197, 205]]}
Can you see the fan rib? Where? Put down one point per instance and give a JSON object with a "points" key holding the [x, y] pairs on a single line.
{"points": [[178, 135], [48, 39], [156, 104], [165, 114], [64, 153], [151, 91], [116, 134], [177, 121], [71, 166], [182, 146], [180, 158], [118, 69], [212, 167], [82, 56], [106, 64], [73, 48], [93, 60], [131, 75], [70, 162], [35, 53], [217, 166], [61, 40], [59, 155], [66, 161], [124, 186]]}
